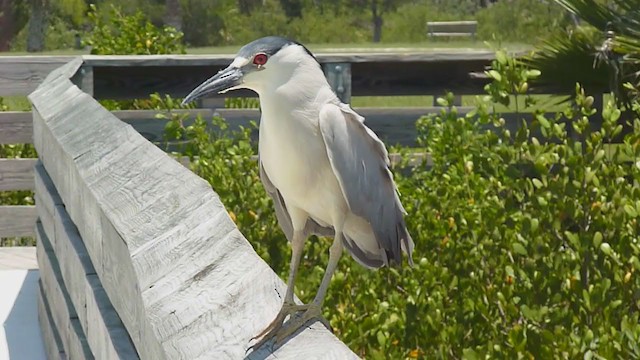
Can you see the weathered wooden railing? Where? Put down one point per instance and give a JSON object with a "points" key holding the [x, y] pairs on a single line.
{"points": [[128, 77], [138, 257]]}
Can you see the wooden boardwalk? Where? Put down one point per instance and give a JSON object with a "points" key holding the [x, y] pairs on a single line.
{"points": [[20, 336], [18, 258]]}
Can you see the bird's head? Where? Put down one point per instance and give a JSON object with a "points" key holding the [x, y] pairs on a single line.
{"points": [[267, 61]]}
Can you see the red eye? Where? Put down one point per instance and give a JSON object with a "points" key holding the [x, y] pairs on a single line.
{"points": [[260, 59]]}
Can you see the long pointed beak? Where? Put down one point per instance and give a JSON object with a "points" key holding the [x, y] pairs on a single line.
{"points": [[224, 80]]}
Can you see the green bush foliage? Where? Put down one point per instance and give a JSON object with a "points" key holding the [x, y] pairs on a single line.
{"points": [[524, 21], [526, 242], [130, 34], [409, 22], [59, 35]]}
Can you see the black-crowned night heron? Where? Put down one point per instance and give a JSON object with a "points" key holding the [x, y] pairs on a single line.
{"points": [[327, 173]]}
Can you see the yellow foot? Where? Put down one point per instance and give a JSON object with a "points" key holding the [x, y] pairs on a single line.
{"points": [[272, 329], [314, 312], [279, 332]]}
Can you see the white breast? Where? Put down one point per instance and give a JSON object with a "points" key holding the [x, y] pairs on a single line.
{"points": [[295, 159]]}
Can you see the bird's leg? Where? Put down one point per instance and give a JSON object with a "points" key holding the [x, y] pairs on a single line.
{"points": [[314, 310], [289, 306]]}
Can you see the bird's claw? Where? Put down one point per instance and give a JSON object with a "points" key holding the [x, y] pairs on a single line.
{"points": [[280, 331], [297, 322]]}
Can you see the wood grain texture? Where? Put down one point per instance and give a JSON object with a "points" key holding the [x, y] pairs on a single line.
{"points": [[18, 258], [15, 127], [395, 126], [16, 174], [64, 314], [353, 56], [52, 341], [106, 335], [20, 75], [17, 220], [184, 281]]}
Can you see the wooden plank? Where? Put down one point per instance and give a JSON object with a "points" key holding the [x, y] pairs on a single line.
{"points": [[395, 126], [18, 258], [65, 315], [50, 335], [421, 72], [17, 220], [105, 334], [16, 174], [20, 75], [16, 127], [46, 190], [383, 73], [392, 125], [339, 77], [89, 139], [350, 56]]}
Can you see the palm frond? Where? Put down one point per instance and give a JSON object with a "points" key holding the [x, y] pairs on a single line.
{"points": [[622, 16], [567, 58], [602, 56]]}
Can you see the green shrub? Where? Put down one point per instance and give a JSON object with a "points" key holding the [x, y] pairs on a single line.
{"points": [[202, 21], [526, 242], [59, 35], [409, 22], [269, 19], [130, 34], [318, 27], [520, 20]]}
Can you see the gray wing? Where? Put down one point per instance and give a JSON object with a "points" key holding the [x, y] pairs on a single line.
{"points": [[361, 163], [311, 228]]}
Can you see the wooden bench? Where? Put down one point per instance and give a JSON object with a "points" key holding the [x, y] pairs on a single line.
{"points": [[452, 28]]}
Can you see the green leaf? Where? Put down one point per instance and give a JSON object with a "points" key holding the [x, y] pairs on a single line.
{"points": [[573, 238], [543, 121], [597, 238], [533, 73], [537, 183], [494, 75], [630, 210], [442, 102], [519, 249], [509, 270], [534, 225], [470, 354]]}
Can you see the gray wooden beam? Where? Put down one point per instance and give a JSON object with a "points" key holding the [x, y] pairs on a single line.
{"points": [[104, 331], [50, 336], [339, 77], [20, 75], [17, 220], [84, 79], [16, 174], [15, 127], [65, 315]]}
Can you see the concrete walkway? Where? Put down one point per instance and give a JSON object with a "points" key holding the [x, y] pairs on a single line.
{"points": [[20, 337]]}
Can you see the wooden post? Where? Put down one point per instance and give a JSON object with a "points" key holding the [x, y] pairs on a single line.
{"points": [[84, 79], [339, 77]]}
